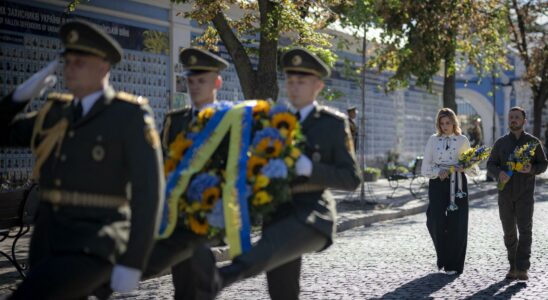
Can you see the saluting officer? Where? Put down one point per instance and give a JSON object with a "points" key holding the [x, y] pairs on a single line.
{"points": [[98, 159], [202, 71], [307, 223]]}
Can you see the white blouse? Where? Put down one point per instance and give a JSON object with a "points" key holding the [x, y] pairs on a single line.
{"points": [[444, 151]]}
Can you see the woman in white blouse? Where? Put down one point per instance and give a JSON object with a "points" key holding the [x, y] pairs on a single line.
{"points": [[447, 214]]}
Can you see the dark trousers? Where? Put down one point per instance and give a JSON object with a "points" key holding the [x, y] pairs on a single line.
{"points": [[176, 253], [448, 229], [64, 276], [59, 275], [517, 210], [283, 281], [278, 252]]}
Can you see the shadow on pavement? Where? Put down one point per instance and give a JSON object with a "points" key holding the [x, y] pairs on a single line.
{"points": [[420, 288], [492, 291]]}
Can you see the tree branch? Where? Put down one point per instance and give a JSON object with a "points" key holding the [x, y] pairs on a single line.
{"points": [[242, 62], [523, 34]]}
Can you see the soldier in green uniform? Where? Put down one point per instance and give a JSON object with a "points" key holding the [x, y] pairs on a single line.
{"points": [[98, 162], [307, 223], [352, 111], [202, 70]]}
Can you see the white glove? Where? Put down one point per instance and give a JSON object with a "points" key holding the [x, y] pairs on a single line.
{"points": [[37, 84], [303, 166], [124, 279]]}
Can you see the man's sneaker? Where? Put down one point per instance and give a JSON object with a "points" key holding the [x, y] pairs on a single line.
{"points": [[522, 275], [451, 272]]}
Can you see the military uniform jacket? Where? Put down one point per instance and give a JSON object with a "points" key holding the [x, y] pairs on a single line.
{"points": [[176, 121], [329, 146], [113, 150], [519, 182]]}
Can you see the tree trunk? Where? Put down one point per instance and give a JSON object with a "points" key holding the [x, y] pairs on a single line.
{"points": [[241, 60], [540, 97], [539, 101], [449, 87], [266, 81]]}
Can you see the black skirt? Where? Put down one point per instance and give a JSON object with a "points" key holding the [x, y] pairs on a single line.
{"points": [[448, 229]]}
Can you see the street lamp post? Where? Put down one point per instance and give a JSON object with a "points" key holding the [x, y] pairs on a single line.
{"points": [[494, 91], [361, 139]]}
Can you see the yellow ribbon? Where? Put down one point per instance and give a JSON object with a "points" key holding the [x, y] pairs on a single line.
{"points": [[53, 136], [231, 207], [198, 161]]}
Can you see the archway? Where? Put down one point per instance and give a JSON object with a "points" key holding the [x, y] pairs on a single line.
{"points": [[484, 108]]}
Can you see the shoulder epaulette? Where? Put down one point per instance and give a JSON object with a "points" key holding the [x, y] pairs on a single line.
{"points": [[178, 111], [127, 97], [326, 110], [60, 97]]}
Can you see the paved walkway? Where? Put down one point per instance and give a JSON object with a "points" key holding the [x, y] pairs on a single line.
{"points": [[353, 212]]}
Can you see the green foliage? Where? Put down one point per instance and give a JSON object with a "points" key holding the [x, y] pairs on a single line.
{"points": [[370, 170], [254, 30], [71, 6], [419, 36], [529, 37], [156, 42], [331, 94]]}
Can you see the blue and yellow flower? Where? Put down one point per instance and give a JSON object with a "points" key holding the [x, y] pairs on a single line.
{"points": [[254, 165], [200, 184], [210, 196], [268, 142], [176, 151], [285, 122]]}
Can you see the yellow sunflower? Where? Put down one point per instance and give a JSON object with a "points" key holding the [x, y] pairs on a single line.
{"points": [[261, 198], [284, 120], [178, 147], [206, 114], [269, 147], [198, 225], [254, 165], [210, 196], [262, 107]]}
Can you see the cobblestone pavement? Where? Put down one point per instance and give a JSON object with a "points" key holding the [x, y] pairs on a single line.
{"points": [[396, 260]]}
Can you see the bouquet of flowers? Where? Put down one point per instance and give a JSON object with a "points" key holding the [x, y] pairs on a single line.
{"points": [[518, 159], [275, 148], [467, 160], [199, 206], [266, 158], [472, 157]]}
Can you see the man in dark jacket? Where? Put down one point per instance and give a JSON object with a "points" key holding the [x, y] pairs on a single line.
{"points": [[98, 159], [516, 199]]}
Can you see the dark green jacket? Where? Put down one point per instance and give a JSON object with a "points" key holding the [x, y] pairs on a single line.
{"points": [[176, 122], [113, 150], [500, 153], [329, 146]]}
